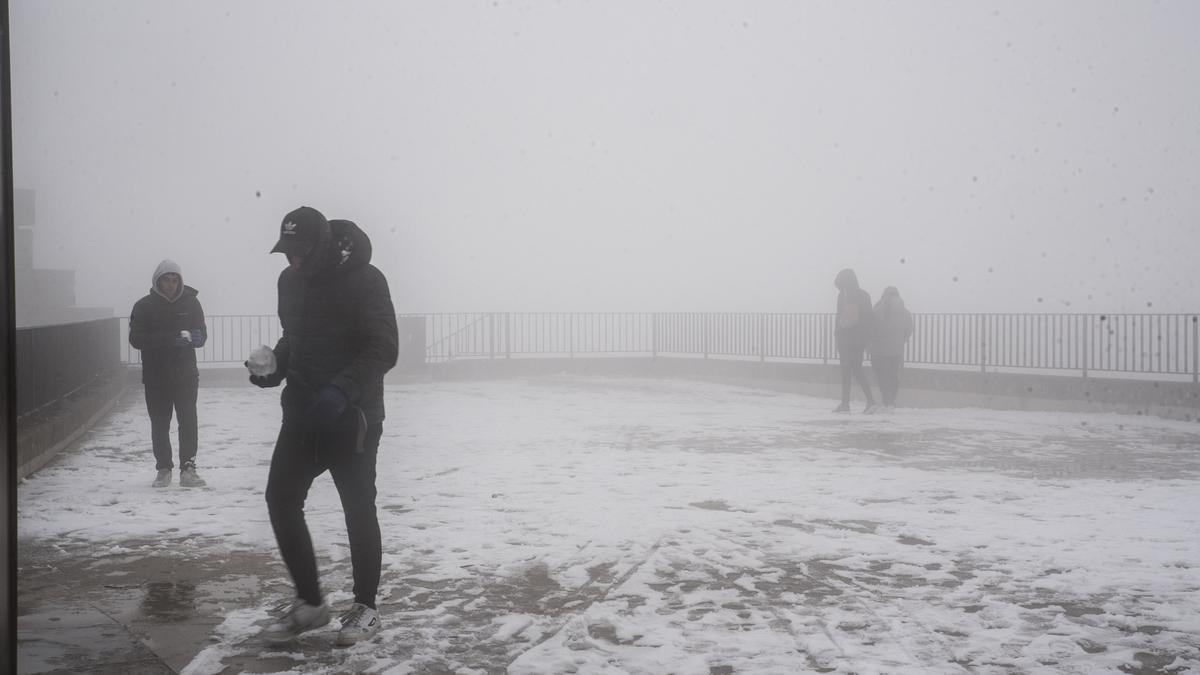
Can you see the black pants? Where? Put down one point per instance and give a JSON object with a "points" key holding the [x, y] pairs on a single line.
{"points": [[300, 456], [175, 392], [887, 372], [850, 357]]}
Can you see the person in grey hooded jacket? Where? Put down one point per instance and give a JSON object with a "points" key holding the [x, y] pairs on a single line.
{"points": [[167, 325]]}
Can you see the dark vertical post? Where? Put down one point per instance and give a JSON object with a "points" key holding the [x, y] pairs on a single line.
{"points": [[8, 556]]}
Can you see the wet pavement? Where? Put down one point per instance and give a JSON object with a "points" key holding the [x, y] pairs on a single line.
{"points": [[713, 560], [132, 613]]}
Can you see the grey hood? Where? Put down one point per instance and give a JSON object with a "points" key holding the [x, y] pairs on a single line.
{"points": [[167, 267]]}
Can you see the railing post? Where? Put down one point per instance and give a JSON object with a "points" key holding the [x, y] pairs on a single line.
{"points": [[491, 335], [704, 327], [762, 338], [654, 335], [982, 343], [822, 321], [571, 334], [1195, 350], [507, 342], [1083, 337]]}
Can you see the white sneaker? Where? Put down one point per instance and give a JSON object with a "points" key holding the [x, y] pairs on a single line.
{"points": [[358, 624], [871, 409], [301, 617], [163, 479]]}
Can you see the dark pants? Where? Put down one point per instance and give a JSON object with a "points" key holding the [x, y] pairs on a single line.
{"points": [[887, 371], [164, 395], [300, 456], [850, 357]]}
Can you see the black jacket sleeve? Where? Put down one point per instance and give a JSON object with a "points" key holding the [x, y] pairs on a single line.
{"points": [[282, 346]]}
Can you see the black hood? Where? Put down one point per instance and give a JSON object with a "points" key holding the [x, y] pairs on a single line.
{"points": [[846, 280], [347, 248]]}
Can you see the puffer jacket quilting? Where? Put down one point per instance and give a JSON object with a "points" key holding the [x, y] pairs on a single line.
{"points": [[339, 327], [155, 323]]}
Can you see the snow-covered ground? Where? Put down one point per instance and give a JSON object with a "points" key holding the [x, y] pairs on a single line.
{"points": [[619, 525]]}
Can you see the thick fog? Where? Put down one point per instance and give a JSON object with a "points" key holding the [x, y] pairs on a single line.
{"points": [[622, 156]]}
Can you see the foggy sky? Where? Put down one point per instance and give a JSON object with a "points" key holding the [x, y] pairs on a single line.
{"points": [[623, 156]]}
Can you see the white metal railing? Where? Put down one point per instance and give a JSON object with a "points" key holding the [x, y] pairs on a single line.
{"points": [[1145, 344]]}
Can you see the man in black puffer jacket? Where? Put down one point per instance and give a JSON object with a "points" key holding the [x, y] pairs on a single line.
{"points": [[167, 326], [339, 338]]}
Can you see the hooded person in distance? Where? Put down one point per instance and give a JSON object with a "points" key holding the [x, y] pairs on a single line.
{"points": [[167, 326], [852, 330], [893, 327]]}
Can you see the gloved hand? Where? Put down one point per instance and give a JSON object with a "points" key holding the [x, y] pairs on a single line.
{"points": [[196, 337], [183, 339], [325, 410], [266, 381]]}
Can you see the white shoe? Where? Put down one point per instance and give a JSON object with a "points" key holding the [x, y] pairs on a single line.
{"points": [[163, 479], [301, 617], [358, 624], [871, 409]]}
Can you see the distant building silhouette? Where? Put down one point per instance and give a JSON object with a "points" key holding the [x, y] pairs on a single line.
{"points": [[43, 297]]}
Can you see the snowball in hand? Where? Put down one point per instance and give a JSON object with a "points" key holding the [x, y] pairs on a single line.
{"points": [[261, 361]]}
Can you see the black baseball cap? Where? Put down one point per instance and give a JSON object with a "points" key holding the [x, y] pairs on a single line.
{"points": [[300, 231]]}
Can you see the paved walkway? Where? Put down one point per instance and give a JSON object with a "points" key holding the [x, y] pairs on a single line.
{"points": [[614, 525]]}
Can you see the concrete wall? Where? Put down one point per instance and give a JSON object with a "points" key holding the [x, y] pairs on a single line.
{"points": [[68, 376], [53, 361], [46, 431]]}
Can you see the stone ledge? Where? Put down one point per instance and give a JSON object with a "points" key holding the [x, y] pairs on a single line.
{"points": [[920, 387]]}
